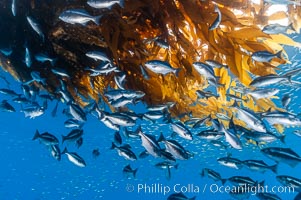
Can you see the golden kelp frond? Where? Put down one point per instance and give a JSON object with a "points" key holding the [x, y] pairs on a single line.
{"points": [[175, 31]]}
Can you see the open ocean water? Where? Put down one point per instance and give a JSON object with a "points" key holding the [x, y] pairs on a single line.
{"points": [[28, 171]]}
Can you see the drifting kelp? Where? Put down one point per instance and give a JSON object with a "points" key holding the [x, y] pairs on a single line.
{"points": [[176, 31]]}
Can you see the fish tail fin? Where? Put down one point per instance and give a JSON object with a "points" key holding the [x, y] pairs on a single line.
{"points": [[260, 183], [96, 19], [274, 168], [121, 3], [235, 104], [203, 173], [135, 172], [138, 130], [161, 137], [45, 104], [36, 135], [282, 138], [53, 61], [177, 72], [278, 54], [223, 180], [63, 139], [125, 132], [113, 146], [168, 173], [65, 151], [177, 166], [291, 27]]}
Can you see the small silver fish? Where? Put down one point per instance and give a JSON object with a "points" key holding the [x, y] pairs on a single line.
{"points": [[98, 55], [27, 60], [265, 56], [286, 99], [74, 158], [99, 4], [161, 67], [6, 51], [41, 57], [218, 19], [14, 8], [78, 16], [277, 28], [35, 26], [5, 106]]}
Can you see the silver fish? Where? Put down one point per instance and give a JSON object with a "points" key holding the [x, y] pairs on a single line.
{"points": [[216, 64], [119, 119], [230, 162], [269, 80], [241, 180], [277, 28], [125, 152], [286, 119], [128, 171], [285, 100], [60, 72], [6, 51], [55, 151], [108, 123], [150, 143], [119, 80], [260, 166], [262, 93], [265, 56], [176, 150], [231, 137], [204, 70], [218, 19], [144, 73], [78, 16], [99, 4], [121, 102], [46, 138], [252, 121], [161, 67], [212, 174], [41, 57], [210, 135], [73, 123], [74, 135], [27, 60], [285, 155], [14, 8], [5, 106], [98, 55], [205, 94], [181, 130], [262, 137], [77, 112], [290, 181], [33, 111], [35, 26], [75, 158], [8, 92]]}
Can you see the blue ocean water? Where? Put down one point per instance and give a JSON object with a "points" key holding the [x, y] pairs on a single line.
{"points": [[28, 171]]}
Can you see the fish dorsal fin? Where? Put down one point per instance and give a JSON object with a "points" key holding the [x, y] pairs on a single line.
{"points": [[152, 137]]}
